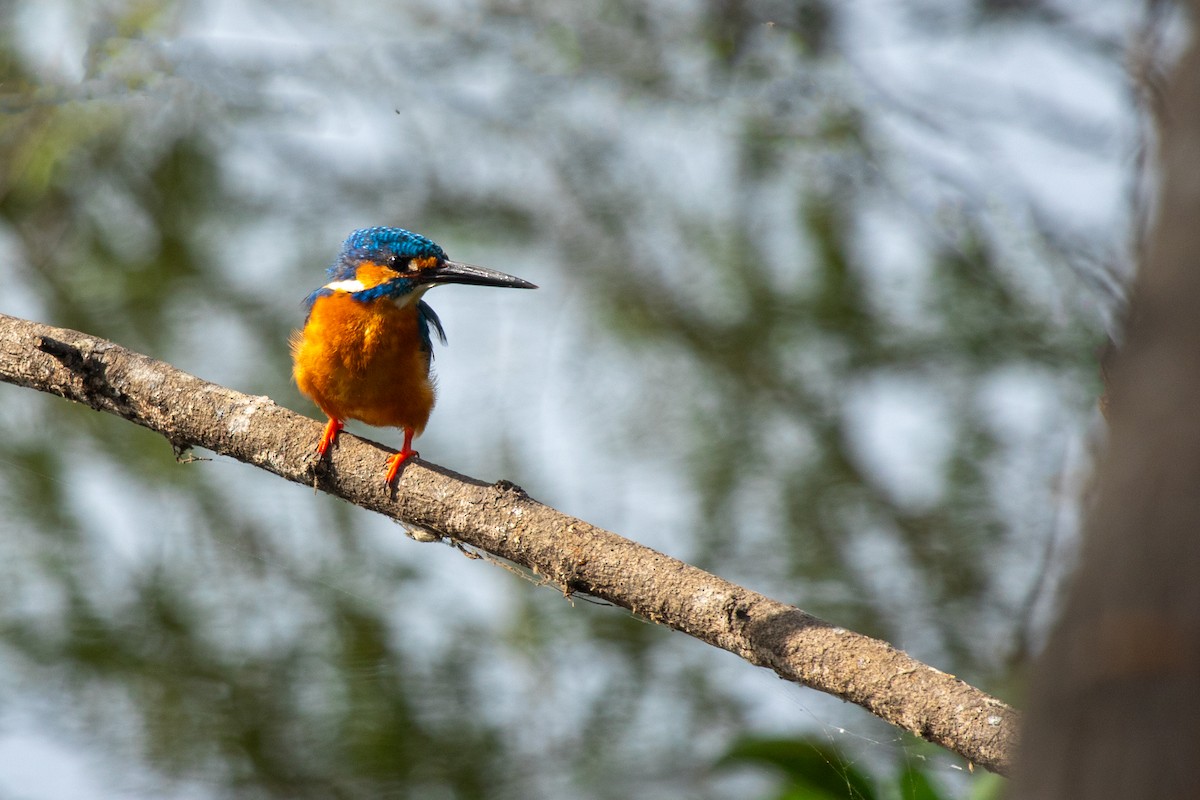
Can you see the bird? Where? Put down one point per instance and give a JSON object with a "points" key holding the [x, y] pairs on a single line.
{"points": [[365, 351]]}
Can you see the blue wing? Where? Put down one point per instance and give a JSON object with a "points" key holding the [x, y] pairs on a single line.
{"points": [[429, 322], [307, 303]]}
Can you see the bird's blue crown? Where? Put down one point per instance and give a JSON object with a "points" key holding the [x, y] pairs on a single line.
{"points": [[379, 244]]}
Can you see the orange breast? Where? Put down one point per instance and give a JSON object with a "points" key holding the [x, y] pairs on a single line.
{"points": [[364, 361]]}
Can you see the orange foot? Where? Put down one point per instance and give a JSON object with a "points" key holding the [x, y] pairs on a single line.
{"points": [[329, 436], [397, 460]]}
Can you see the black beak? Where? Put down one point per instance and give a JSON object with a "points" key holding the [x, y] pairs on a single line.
{"points": [[454, 272]]}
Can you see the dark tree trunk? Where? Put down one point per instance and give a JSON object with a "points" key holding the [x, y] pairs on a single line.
{"points": [[1114, 708]]}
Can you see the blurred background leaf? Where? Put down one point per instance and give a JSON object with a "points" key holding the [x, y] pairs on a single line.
{"points": [[812, 770]]}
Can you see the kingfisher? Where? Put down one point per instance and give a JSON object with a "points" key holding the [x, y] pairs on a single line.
{"points": [[366, 349]]}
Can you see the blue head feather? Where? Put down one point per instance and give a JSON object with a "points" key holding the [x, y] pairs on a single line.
{"points": [[378, 244]]}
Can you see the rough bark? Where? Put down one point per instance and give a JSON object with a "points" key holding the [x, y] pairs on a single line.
{"points": [[1115, 700], [502, 520]]}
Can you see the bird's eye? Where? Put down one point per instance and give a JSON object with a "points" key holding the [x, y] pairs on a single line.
{"points": [[400, 263]]}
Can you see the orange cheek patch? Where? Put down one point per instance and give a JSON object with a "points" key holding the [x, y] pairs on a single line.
{"points": [[371, 274]]}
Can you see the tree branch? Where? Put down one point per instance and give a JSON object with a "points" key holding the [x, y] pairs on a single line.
{"points": [[502, 520]]}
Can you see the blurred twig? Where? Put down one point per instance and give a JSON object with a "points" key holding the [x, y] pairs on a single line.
{"points": [[502, 520]]}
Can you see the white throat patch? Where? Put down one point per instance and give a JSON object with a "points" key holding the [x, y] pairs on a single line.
{"points": [[403, 300], [345, 286]]}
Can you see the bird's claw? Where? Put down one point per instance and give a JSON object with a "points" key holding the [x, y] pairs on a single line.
{"points": [[395, 461], [332, 428]]}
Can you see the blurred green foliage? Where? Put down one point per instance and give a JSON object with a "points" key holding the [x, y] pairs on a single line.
{"points": [[206, 628], [813, 769]]}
